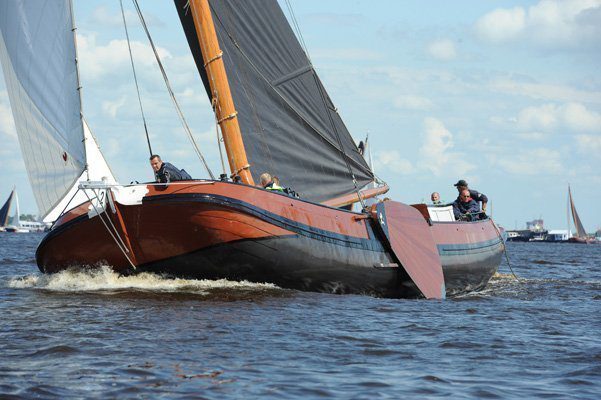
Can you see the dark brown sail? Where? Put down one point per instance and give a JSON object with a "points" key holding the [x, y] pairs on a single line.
{"points": [[289, 125], [580, 232]]}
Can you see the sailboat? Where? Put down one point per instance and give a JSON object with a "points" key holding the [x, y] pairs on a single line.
{"points": [[5, 211], [275, 116], [580, 236], [18, 225]]}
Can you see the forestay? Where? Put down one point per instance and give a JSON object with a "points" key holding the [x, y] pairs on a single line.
{"points": [[289, 125], [98, 170], [37, 52]]}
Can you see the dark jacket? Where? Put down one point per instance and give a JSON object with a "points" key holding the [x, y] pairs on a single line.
{"points": [[460, 208], [477, 196], [169, 173]]}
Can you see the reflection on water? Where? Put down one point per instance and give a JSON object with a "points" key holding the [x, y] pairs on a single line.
{"points": [[97, 334]]}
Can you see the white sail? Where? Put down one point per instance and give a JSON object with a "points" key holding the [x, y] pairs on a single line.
{"points": [[97, 170], [38, 56], [17, 217]]}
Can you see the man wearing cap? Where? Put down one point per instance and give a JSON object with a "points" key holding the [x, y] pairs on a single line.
{"points": [[474, 194]]}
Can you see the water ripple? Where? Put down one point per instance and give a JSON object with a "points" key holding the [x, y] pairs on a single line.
{"points": [[96, 334]]}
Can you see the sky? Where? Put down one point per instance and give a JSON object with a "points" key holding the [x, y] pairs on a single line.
{"points": [[503, 94]]}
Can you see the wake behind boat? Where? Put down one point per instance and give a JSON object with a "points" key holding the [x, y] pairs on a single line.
{"points": [[274, 115]]}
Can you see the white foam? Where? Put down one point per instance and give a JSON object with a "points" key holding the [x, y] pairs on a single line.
{"points": [[105, 279]]}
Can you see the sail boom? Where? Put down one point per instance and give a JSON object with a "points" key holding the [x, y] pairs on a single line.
{"points": [[352, 198]]}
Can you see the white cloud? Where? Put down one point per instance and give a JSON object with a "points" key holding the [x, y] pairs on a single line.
{"points": [[543, 117], [392, 160], [349, 54], [412, 102], [579, 118], [532, 136], [590, 144], [111, 108], [102, 16], [501, 24], [545, 91], [437, 141], [99, 60], [549, 23], [443, 49], [532, 162], [435, 152], [550, 117]]}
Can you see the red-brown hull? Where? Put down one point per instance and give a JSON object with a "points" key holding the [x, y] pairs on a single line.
{"points": [[224, 230], [580, 240]]}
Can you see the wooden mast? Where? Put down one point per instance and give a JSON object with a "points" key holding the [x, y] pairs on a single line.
{"points": [[220, 90]]}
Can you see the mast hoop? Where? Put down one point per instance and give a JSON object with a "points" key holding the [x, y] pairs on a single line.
{"points": [[246, 167], [217, 57], [228, 117]]}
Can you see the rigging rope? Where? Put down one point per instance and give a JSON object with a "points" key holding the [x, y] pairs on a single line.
{"points": [[301, 39], [118, 241], [504, 249], [169, 89], [325, 103], [131, 58]]}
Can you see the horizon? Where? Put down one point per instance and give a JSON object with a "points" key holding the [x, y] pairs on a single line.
{"points": [[505, 95]]}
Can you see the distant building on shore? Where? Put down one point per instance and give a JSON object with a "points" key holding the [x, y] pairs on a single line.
{"points": [[558, 235], [535, 225], [535, 231]]}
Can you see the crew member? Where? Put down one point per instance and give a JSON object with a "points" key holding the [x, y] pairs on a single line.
{"points": [[465, 208], [268, 183], [474, 194], [436, 199], [165, 172]]}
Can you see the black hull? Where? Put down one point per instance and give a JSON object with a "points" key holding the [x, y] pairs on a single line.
{"points": [[469, 270], [301, 263], [293, 262]]}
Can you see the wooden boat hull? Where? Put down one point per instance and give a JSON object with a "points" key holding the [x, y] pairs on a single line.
{"points": [[580, 240], [223, 230]]}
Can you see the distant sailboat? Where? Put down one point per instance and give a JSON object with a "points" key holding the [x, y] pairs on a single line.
{"points": [[580, 236], [5, 211], [16, 225]]}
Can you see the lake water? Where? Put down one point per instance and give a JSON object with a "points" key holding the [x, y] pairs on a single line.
{"points": [[84, 335]]}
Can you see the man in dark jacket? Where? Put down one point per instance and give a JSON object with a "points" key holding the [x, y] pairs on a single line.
{"points": [[461, 185], [165, 172], [465, 208]]}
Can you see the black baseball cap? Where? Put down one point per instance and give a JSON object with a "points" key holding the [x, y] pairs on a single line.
{"points": [[460, 182]]}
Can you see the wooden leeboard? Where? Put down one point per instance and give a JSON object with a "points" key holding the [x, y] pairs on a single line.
{"points": [[411, 241]]}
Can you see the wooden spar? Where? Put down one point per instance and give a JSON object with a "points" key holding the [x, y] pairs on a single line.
{"points": [[220, 90], [353, 197]]}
